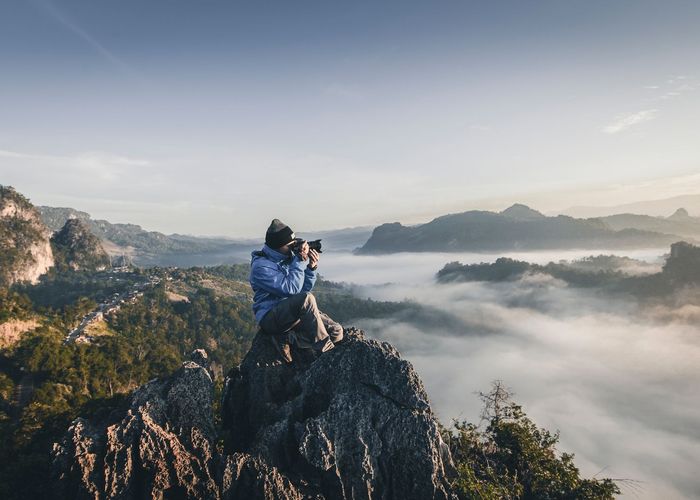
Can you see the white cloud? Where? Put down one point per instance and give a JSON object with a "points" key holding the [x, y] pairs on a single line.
{"points": [[622, 123]]}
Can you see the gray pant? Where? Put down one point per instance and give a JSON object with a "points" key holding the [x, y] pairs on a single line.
{"points": [[314, 329]]}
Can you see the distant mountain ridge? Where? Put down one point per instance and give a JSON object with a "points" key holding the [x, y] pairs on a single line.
{"points": [[658, 207], [680, 223], [129, 236], [516, 228], [152, 248]]}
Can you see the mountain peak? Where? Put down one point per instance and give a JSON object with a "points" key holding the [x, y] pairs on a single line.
{"points": [[76, 248], [522, 212], [681, 214]]}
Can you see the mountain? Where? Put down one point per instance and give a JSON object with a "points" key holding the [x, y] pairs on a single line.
{"points": [[77, 249], [353, 423], [680, 223], [128, 237], [649, 207], [681, 215], [519, 211], [150, 248], [517, 228], [25, 249]]}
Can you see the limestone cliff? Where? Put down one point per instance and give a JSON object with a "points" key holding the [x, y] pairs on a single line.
{"points": [[352, 423], [25, 249]]}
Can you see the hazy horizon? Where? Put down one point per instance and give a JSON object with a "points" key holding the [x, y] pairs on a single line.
{"points": [[653, 207], [215, 118]]}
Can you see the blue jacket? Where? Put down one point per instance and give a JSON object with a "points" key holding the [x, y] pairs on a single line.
{"points": [[275, 276]]}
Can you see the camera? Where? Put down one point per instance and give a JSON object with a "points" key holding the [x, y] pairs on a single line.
{"points": [[313, 245]]}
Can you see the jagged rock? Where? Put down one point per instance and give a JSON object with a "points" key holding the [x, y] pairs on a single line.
{"points": [[161, 446], [355, 422], [249, 478], [200, 357]]}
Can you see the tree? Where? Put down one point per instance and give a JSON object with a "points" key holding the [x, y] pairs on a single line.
{"points": [[512, 458]]}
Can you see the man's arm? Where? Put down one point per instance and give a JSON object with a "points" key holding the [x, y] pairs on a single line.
{"points": [[274, 280], [309, 279], [310, 272]]}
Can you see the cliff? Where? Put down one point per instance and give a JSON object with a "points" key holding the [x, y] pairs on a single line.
{"points": [[77, 249], [25, 250], [352, 423]]}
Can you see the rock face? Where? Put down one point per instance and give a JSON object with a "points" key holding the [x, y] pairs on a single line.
{"points": [[354, 423], [77, 249], [161, 445], [25, 250]]}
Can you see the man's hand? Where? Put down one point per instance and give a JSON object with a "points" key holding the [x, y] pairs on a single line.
{"points": [[303, 251], [313, 258]]}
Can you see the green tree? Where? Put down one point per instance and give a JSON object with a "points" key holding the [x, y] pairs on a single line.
{"points": [[512, 458]]}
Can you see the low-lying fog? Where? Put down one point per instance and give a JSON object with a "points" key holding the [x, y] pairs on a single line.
{"points": [[621, 386]]}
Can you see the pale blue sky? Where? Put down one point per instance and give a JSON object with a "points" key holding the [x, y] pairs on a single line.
{"points": [[214, 117]]}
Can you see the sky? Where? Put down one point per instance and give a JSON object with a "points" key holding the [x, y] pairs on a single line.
{"points": [[214, 117]]}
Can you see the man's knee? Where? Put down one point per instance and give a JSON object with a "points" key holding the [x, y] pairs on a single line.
{"points": [[308, 301]]}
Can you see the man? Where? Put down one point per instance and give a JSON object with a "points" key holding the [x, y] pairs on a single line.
{"points": [[283, 304]]}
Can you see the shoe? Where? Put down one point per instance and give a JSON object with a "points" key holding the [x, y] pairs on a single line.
{"points": [[279, 340]]}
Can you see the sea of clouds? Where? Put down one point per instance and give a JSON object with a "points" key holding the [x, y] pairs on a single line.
{"points": [[620, 382]]}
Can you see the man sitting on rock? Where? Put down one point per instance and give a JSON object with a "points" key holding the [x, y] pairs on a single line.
{"points": [[283, 304]]}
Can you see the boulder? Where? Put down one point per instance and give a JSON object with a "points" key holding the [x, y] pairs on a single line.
{"points": [[354, 423]]}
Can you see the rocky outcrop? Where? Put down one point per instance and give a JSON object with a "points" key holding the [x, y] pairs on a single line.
{"points": [[25, 250], [77, 249], [162, 444], [354, 423]]}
